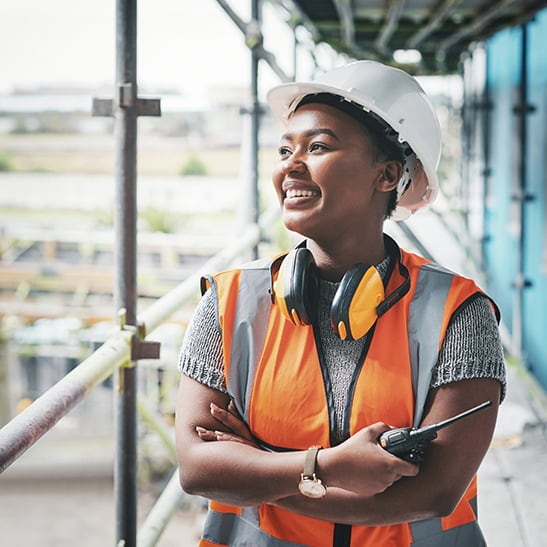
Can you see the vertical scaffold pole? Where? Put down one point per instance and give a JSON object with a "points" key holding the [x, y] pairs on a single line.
{"points": [[256, 15], [126, 107], [125, 470]]}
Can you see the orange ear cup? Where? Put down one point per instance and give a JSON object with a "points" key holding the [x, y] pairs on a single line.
{"points": [[354, 307]]}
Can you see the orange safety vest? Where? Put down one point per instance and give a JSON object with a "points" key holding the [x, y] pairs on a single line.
{"points": [[274, 375]]}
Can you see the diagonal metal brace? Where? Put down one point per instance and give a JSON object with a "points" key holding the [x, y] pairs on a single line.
{"points": [[254, 39]]}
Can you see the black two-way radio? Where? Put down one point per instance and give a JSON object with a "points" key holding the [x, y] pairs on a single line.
{"points": [[409, 443]]}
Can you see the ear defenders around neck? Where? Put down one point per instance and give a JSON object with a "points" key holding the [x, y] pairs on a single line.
{"points": [[355, 304]]}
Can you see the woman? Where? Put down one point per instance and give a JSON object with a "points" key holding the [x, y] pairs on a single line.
{"points": [[292, 367]]}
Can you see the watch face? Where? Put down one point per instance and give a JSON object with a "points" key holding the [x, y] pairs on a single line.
{"points": [[312, 488]]}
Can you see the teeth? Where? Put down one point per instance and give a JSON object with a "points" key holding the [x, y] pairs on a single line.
{"points": [[293, 193]]}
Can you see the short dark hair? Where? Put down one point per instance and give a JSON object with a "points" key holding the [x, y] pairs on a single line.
{"points": [[384, 137]]}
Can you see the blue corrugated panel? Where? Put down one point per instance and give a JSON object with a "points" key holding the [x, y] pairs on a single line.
{"points": [[501, 216], [535, 221]]}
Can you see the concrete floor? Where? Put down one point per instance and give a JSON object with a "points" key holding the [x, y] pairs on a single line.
{"points": [[62, 513]]}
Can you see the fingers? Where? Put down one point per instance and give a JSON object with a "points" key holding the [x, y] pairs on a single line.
{"points": [[406, 469], [210, 435], [375, 430], [237, 429], [233, 410], [231, 420], [206, 434], [401, 467]]}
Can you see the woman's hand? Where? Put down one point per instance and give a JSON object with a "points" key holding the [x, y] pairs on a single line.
{"points": [[230, 418], [361, 465]]}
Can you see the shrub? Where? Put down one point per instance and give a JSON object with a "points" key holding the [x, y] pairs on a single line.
{"points": [[156, 220], [193, 166], [5, 163]]}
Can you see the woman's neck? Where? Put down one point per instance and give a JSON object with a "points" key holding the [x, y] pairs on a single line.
{"points": [[335, 260]]}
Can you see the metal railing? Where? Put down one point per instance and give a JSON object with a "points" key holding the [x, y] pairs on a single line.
{"points": [[25, 429]]}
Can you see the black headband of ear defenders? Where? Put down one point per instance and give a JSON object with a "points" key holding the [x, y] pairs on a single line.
{"points": [[385, 136]]}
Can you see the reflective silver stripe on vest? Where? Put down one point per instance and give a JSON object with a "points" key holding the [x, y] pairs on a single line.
{"points": [[240, 531], [424, 329], [428, 533], [250, 324]]}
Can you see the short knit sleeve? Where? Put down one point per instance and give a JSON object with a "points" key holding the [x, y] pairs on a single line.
{"points": [[201, 354], [472, 347]]}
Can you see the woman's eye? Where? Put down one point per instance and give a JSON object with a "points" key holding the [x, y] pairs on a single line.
{"points": [[317, 146], [284, 151]]}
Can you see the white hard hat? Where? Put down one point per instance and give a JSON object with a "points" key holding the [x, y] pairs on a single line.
{"points": [[399, 100]]}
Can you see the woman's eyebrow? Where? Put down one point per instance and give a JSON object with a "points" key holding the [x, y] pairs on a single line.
{"points": [[311, 133]]}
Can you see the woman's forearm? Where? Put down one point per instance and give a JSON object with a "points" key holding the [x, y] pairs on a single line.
{"points": [[390, 507], [238, 474]]}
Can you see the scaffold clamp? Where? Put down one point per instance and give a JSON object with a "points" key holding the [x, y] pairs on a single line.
{"points": [[140, 348], [126, 98]]}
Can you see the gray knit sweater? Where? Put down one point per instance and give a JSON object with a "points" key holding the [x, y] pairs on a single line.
{"points": [[471, 349]]}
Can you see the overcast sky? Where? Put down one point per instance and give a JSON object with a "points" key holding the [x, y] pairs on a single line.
{"points": [[186, 44]]}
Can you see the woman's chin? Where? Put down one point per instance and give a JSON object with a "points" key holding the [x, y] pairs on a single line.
{"points": [[294, 223]]}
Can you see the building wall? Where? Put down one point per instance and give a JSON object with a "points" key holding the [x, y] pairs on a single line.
{"points": [[513, 163]]}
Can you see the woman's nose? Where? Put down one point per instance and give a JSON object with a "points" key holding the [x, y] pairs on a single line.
{"points": [[294, 163]]}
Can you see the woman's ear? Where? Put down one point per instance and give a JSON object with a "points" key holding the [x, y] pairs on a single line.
{"points": [[390, 176]]}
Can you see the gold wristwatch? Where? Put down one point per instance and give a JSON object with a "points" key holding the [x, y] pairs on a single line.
{"points": [[310, 485]]}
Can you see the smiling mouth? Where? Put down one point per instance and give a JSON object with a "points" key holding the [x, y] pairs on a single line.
{"points": [[300, 193]]}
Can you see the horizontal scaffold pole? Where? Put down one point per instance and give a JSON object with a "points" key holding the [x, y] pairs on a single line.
{"points": [[27, 427]]}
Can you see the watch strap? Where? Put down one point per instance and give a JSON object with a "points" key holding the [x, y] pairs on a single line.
{"points": [[310, 463]]}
